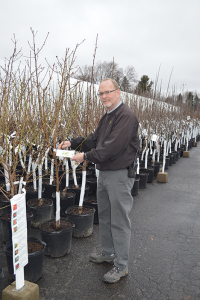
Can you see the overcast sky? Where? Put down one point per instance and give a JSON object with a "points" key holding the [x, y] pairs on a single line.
{"points": [[146, 34]]}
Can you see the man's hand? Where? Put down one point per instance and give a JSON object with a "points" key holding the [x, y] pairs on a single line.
{"points": [[78, 157], [64, 145]]}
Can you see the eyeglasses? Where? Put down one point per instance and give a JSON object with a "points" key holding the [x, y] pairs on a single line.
{"points": [[105, 93]]}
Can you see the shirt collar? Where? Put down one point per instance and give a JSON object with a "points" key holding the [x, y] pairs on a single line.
{"points": [[109, 111]]}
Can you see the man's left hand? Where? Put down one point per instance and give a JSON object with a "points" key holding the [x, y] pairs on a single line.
{"points": [[78, 157]]}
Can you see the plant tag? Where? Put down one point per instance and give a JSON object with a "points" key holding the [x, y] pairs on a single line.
{"points": [[65, 153], [74, 164]]}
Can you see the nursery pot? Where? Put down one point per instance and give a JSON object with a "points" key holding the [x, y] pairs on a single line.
{"points": [[58, 242], [150, 172], [65, 201], [89, 174], [156, 168], [83, 222], [33, 270], [49, 190], [71, 179], [175, 155], [4, 205], [33, 194], [77, 191], [170, 156], [40, 213], [92, 169], [1, 274], [135, 187], [6, 225], [143, 180], [92, 201], [92, 183]]}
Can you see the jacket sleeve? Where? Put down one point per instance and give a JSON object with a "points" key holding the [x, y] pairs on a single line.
{"points": [[83, 144]]}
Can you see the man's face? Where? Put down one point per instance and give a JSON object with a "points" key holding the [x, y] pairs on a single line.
{"points": [[110, 100]]}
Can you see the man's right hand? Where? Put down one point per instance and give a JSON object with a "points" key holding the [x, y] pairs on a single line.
{"points": [[64, 145]]}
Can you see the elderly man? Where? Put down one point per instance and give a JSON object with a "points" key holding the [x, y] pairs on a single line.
{"points": [[112, 147]]}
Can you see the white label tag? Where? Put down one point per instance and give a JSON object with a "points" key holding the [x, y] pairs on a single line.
{"points": [[65, 153]]}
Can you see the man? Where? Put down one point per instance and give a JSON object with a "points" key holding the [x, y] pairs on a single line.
{"points": [[112, 147]]}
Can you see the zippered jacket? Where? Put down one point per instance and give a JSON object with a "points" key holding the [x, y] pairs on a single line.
{"points": [[114, 143]]}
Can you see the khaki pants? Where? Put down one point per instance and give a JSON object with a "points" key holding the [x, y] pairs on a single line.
{"points": [[114, 205]]}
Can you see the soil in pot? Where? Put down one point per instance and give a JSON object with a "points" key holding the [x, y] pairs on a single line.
{"points": [[6, 225], [58, 241], [33, 270], [92, 201], [42, 210], [83, 220], [67, 199]]}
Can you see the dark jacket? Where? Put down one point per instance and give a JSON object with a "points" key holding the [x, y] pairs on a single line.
{"points": [[115, 141]]}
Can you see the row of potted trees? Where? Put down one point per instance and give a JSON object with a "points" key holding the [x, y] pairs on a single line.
{"points": [[36, 116]]}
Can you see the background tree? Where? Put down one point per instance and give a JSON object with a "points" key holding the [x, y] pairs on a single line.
{"points": [[126, 78], [144, 86]]}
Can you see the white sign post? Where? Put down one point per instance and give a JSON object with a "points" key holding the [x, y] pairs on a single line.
{"points": [[19, 237]]}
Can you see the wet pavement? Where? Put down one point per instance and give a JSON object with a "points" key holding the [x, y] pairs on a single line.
{"points": [[165, 247]]}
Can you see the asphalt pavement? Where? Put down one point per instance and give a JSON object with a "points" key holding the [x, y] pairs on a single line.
{"points": [[164, 254]]}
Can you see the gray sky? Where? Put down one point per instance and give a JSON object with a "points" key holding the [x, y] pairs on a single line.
{"points": [[145, 34]]}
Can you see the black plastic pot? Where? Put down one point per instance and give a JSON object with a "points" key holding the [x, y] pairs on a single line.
{"points": [[33, 270], [78, 192], [92, 201], [150, 172], [33, 195], [83, 222], [49, 190], [71, 180], [135, 188], [170, 157], [175, 155], [92, 169], [92, 183], [4, 205], [65, 202], [1, 274], [89, 174], [40, 214], [143, 180], [6, 226], [156, 168], [58, 243]]}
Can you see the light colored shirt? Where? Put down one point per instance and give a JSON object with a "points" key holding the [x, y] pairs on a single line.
{"points": [[109, 111]]}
